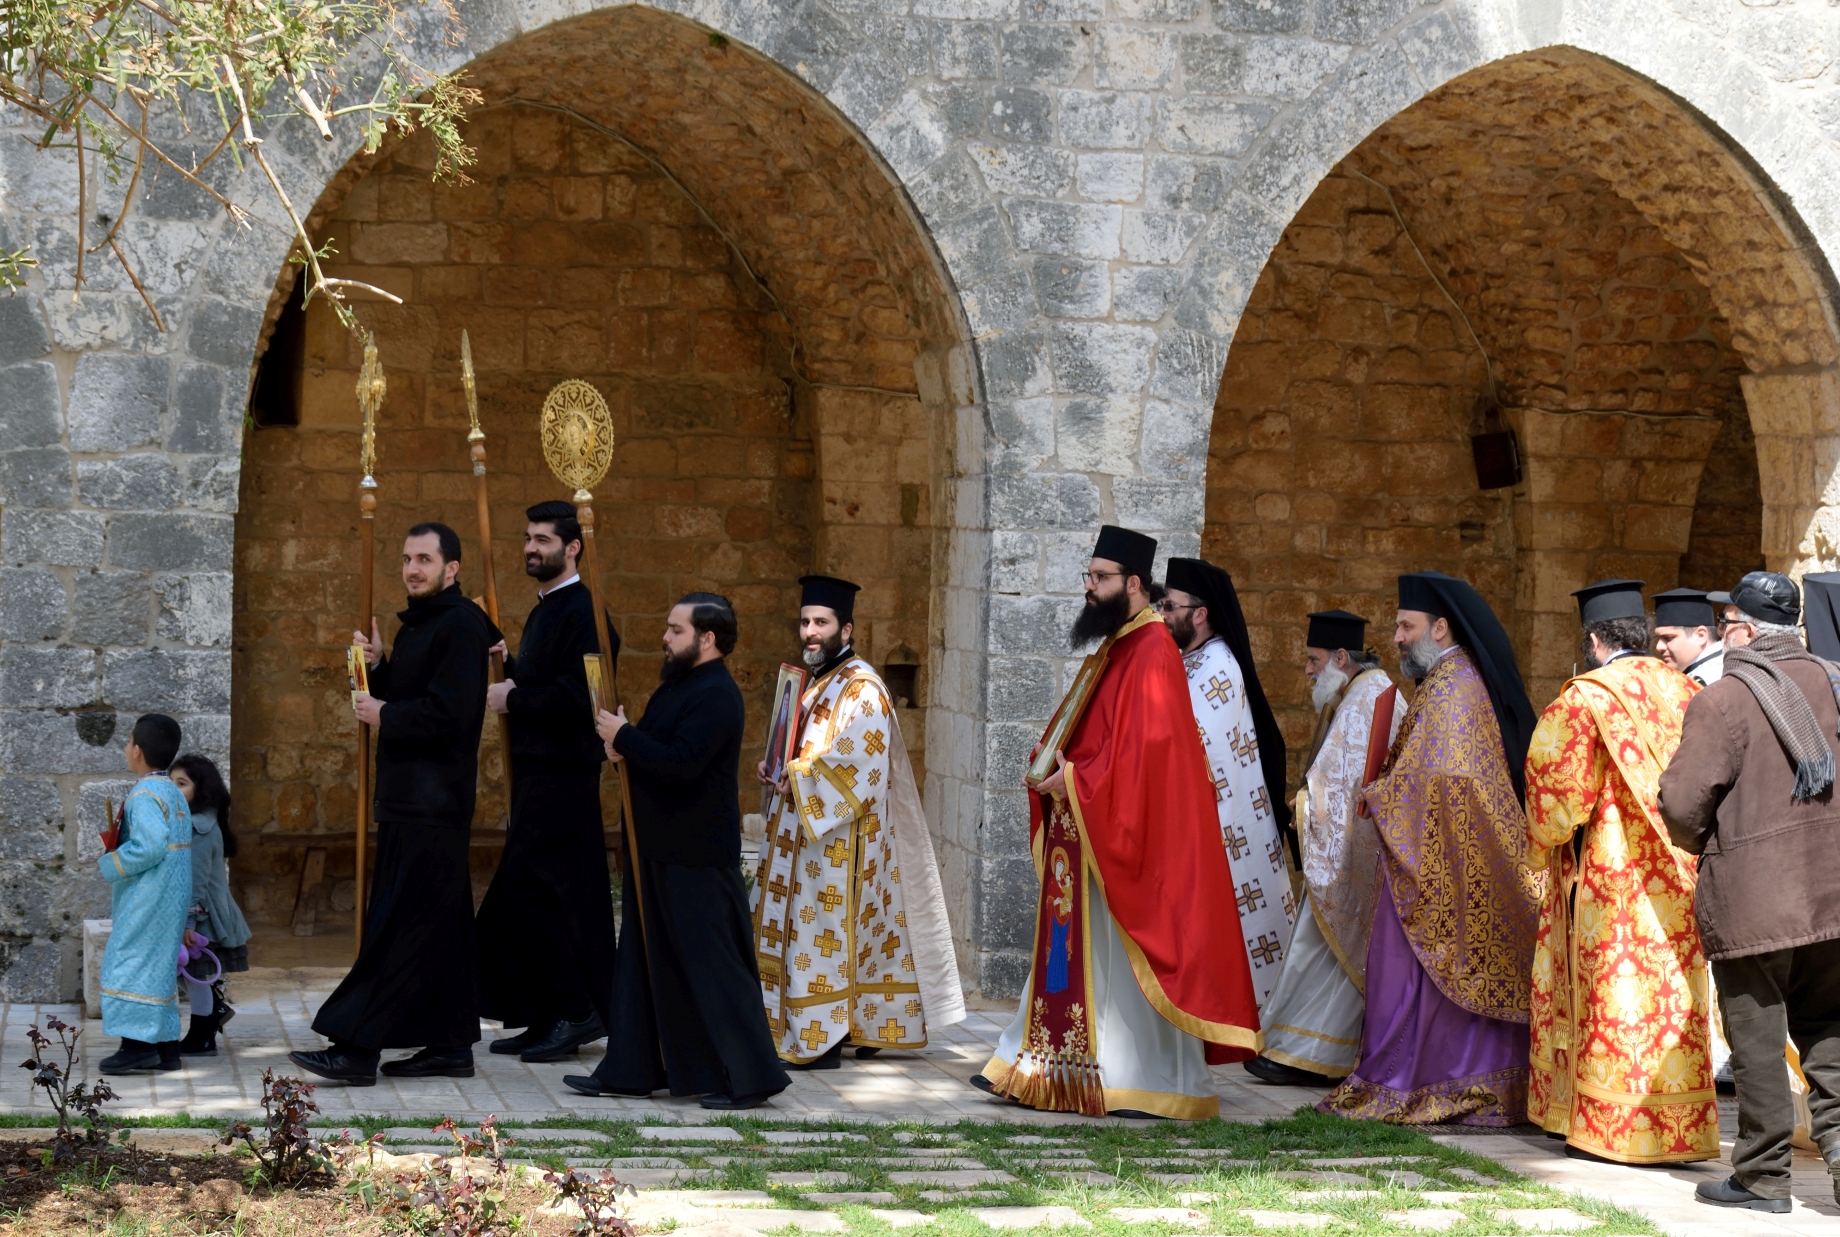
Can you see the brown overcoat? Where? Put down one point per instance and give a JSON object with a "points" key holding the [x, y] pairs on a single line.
{"points": [[1769, 869]]}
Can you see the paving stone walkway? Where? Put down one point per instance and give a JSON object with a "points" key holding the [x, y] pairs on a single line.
{"points": [[677, 1151]]}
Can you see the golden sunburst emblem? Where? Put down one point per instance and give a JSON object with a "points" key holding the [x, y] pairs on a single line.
{"points": [[577, 432]]}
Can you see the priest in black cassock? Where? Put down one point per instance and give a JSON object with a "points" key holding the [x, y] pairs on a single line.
{"points": [[413, 983], [546, 925], [686, 1009]]}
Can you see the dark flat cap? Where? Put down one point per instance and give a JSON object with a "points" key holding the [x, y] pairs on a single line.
{"points": [[1130, 549], [1769, 597], [1684, 607], [1610, 599], [838, 595], [1336, 629]]}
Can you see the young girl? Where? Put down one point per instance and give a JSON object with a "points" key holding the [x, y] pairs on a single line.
{"points": [[214, 914]]}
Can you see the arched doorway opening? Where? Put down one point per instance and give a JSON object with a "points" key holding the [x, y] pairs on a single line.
{"points": [[1552, 245], [677, 220]]}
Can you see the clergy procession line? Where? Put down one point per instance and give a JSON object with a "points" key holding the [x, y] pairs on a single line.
{"points": [[1464, 914]]}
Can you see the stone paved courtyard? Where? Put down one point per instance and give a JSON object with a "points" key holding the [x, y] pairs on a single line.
{"points": [[669, 1157]]}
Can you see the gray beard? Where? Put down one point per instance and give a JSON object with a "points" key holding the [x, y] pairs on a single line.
{"points": [[813, 658], [1326, 686], [1417, 658]]}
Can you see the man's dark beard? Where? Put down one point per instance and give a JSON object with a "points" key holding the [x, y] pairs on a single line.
{"points": [[544, 569], [1099, 619], [1182, 627], [677, 666], [828, 647]]}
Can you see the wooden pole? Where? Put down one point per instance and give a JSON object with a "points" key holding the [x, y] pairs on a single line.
{"points": [[584, 511], [367, 563], [476, 437]]}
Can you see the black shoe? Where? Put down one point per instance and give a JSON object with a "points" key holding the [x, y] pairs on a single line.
{"points": [[1132, 1114], [338, 1066], [1579, 1153], [536, 1033], [170, 1058], [133, 1057], [865, 1051], [1724, 1086], [1728, 1193], [1278, 1074], [585, 1084], [990, 1088], [564, 1040], [732, 1102], [830, 1060], [201, 1037], [433, 1063]]}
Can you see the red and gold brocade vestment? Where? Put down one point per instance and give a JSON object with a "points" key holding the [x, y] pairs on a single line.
{"points": [[1621, 1052]]}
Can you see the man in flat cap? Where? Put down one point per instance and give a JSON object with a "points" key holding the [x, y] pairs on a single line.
{"points": [[851, 931], [1312, 1021], [1245, 752], [1687, 634], [1444, 1035], [1623, 1079], [1130, 994], [1751, 792]]}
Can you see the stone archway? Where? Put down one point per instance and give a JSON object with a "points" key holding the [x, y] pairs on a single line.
{"points": [[676, 220], [1554, 237]]}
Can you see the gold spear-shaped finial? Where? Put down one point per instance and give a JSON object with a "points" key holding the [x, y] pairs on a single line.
{"points": [[472, 391], [370, 398]]}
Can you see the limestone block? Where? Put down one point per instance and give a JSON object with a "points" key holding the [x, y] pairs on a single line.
{"points": [[1188, 366], [1158, 237], [41, 477], [223, 333], [141, 482], [53, 538], [1437, 49], [1198, 124], [1110, 177], [1792, 403], [116, 402], [1212, 63], [1018, 114], [1029, 171], [911, 135], [1095, 435], [30, 409], [1043, 54], [170, 542], [1073, 229], [1185, 182], [1142, 293], [1647, 527], [35, 605], [207, 411], [22, 329], [1072, 288], [1030, 1217], [167, 680], [95, 940], [34, 814]]}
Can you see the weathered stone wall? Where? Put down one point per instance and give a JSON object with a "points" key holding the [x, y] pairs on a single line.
{"points": [[1070, 205]]}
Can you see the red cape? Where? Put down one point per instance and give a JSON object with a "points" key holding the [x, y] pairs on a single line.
{"points": [[1141, 792]]}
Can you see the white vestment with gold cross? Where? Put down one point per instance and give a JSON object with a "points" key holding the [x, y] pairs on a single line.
{"points": [[1248, 824], [851, 930]]}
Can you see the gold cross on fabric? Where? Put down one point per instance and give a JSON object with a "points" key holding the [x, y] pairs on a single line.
{"points": [[821, 712], [1223, 789], [828, 943], [875, 744], [813, 1035], [814, 806], [892, 1032], [1251, 898], [777, 886], [830, 899], [1245, 746], [1260, 803], [1219, 690], [772, 933], [1237, 845], [784, 842], [872, 825], [1274, 851], [821, 985], [838, 851], [890, 945], [848, 771], [1267, 951]]}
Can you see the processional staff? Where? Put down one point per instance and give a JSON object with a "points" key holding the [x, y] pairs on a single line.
{"points": [[577, 432], [370, 398], [477, 437]]}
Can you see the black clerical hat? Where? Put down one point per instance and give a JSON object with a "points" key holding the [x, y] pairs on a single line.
{"points": [[1610, 599], [1821, 613], [1336, 629], [839, 595], [1131, 550], [1684, 607]]}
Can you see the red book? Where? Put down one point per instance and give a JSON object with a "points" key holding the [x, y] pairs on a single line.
{"points": [[111, 837]]}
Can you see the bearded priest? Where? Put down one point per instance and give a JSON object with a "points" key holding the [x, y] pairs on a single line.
{"points": [[1622, 1049], [1444, 1036], [1312, 1022], [851, 931], [1245, 754], [1138, 979]]}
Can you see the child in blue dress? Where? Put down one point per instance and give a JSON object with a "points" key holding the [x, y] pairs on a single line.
{"points": [[214, 914], [150, 877]]}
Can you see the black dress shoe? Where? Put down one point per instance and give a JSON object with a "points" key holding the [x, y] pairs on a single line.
{"points": [[733, 1102], [338, 1066], [990, 1088], [533, 1034], [865, 1051], [830, 1060], [1728, 1193], [433, 1063], [1278, 1074], [133, 1057], [585, 1084], [564, 1040], [1133, 1114]]}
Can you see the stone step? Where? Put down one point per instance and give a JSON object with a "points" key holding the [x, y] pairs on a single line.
{"points": [[904, 1219], [708, 1198], [1361, 1161], [854, 1196], [1031, 1217], [960, 1179], [812, 1136], [689, 1133], [799, 1179], [959, 1196], [1055, 1166], [1324, 1178], [531, 1134]]}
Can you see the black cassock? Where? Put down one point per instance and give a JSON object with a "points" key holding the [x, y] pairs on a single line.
{"points": [[687, 1011], [412, 985], [546, 925]]}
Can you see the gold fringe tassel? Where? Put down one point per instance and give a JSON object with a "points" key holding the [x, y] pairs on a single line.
{"points": [[1057, 1082]]}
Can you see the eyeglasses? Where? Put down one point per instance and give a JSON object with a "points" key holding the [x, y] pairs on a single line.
{"points": [[1167, 606], [1090, 578]]}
